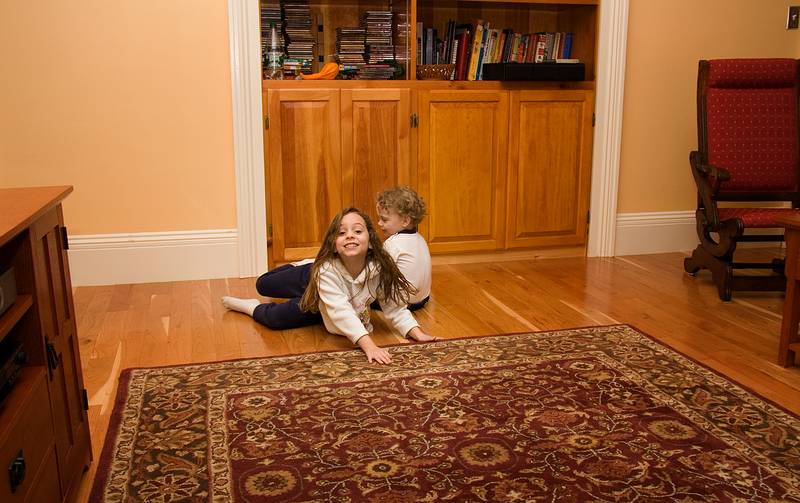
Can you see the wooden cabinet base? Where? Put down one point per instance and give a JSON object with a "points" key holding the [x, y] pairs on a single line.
{"points": [[44, 429], [499, 167]]}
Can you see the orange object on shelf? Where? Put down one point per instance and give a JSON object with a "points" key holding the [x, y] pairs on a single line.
{"points": [[329, 71]]}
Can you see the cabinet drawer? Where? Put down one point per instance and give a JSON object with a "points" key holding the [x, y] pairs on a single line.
{"points": [[45, 487], [29, 431]]}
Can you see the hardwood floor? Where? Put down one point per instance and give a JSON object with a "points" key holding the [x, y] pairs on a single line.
{"points": [[159, 324]]}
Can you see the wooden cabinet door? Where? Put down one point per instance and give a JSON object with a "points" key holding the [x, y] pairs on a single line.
{"points": [[549, 168], [462, 175], [303, 168], [376, 144], [57, 318]]}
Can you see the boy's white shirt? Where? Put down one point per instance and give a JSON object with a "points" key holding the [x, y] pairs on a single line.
{"points": [[411, 254], [344, 302]]}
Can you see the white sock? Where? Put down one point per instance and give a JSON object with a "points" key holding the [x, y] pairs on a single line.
{"points": [[246, 306]]}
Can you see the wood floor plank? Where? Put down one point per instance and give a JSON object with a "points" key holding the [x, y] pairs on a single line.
{"points": [[225, 337], [120, 298], [175, 324], [202, 340]]}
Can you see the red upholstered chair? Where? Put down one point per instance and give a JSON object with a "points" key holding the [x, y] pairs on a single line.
{"points": [[747, 129]]}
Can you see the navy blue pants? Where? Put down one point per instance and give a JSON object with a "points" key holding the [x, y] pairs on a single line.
{"points": [[289, 282], [285, 282]]}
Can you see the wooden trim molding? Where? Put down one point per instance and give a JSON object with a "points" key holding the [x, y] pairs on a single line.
{"points": [[248, 141], [243, 20], [613, 41]]}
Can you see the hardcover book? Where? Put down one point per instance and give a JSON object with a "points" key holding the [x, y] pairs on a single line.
{"points": [[482, 51], [475, 51], [462, 55]]}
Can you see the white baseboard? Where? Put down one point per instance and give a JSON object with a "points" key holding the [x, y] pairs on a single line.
{"points": [[664, 232], [151, 257], [659, 232]]}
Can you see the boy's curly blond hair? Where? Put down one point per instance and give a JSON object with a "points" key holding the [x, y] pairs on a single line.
{"points": [[404, 201]]}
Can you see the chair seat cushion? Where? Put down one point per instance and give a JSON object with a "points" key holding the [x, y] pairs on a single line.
{"points": [[757, 217]]}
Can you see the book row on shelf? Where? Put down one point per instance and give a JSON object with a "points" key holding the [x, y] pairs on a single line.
{"points": [[377, 48], [469, 46]]}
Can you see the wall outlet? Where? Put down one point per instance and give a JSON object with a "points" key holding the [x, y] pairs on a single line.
{"points": [[793, 18]]}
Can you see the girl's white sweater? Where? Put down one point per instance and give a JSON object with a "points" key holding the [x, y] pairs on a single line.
{"points": [[344, 302]]}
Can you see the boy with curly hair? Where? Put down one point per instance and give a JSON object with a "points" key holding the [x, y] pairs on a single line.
{"points": [[400, 211]]}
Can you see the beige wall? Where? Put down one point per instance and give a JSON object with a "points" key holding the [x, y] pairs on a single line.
{"points": [[665, 41], [127, 100]]}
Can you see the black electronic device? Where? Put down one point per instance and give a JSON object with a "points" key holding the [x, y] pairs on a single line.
{"points": [[534, 71], [12, 359]]}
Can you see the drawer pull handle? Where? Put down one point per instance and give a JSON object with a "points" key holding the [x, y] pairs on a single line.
{"points": [[16, 471], [52, 356]]}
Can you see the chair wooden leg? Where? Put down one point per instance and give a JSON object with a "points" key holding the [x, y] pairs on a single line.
{"points": [[721, 270], [690, 265], [697, 261], [722, 274]]}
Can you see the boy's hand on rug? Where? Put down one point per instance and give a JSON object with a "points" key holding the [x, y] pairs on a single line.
{"points": [[418, 335], [373, 351]]}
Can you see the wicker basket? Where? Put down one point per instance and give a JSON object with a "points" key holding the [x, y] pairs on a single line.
{"points": [[435, 72]]}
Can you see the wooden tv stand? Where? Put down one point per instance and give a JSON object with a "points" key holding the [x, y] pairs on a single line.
{"points": [[44, 429]]}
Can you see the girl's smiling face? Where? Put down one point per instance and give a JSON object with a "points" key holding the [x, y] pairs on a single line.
{"points": [[352, 240]]}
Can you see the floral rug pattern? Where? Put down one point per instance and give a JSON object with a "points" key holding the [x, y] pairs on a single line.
{"points": [[600, 414]]}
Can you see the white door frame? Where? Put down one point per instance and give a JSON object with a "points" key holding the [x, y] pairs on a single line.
{"points": [[248, 135], [610, 92]]}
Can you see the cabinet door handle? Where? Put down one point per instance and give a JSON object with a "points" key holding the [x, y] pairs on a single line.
{"points": [[64, 238], [16, 472], [52, 357]]}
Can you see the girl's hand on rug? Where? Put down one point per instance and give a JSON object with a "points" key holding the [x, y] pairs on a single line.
{"points": [[418, 335], [373, 351]]}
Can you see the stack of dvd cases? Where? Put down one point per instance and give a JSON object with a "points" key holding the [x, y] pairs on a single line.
{"points": [[297, 30]]}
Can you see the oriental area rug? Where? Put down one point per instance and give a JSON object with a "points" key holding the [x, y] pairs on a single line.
{"points": [[591, 414]]}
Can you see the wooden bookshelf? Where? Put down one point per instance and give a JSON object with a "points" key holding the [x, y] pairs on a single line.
{"points": [[579, 17], [501, 164]]}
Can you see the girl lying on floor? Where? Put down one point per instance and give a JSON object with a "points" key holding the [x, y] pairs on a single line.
{"points": [[350, 272]]}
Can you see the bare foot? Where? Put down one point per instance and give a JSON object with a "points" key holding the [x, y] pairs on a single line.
{"points": [[418, 335], [425, 338], [246, 306]]}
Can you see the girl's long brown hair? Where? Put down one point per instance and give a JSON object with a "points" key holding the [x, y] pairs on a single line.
{"points": [[392, 285]]}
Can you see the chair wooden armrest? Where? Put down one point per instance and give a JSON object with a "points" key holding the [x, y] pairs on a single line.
{"points": [[708, 179]]}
